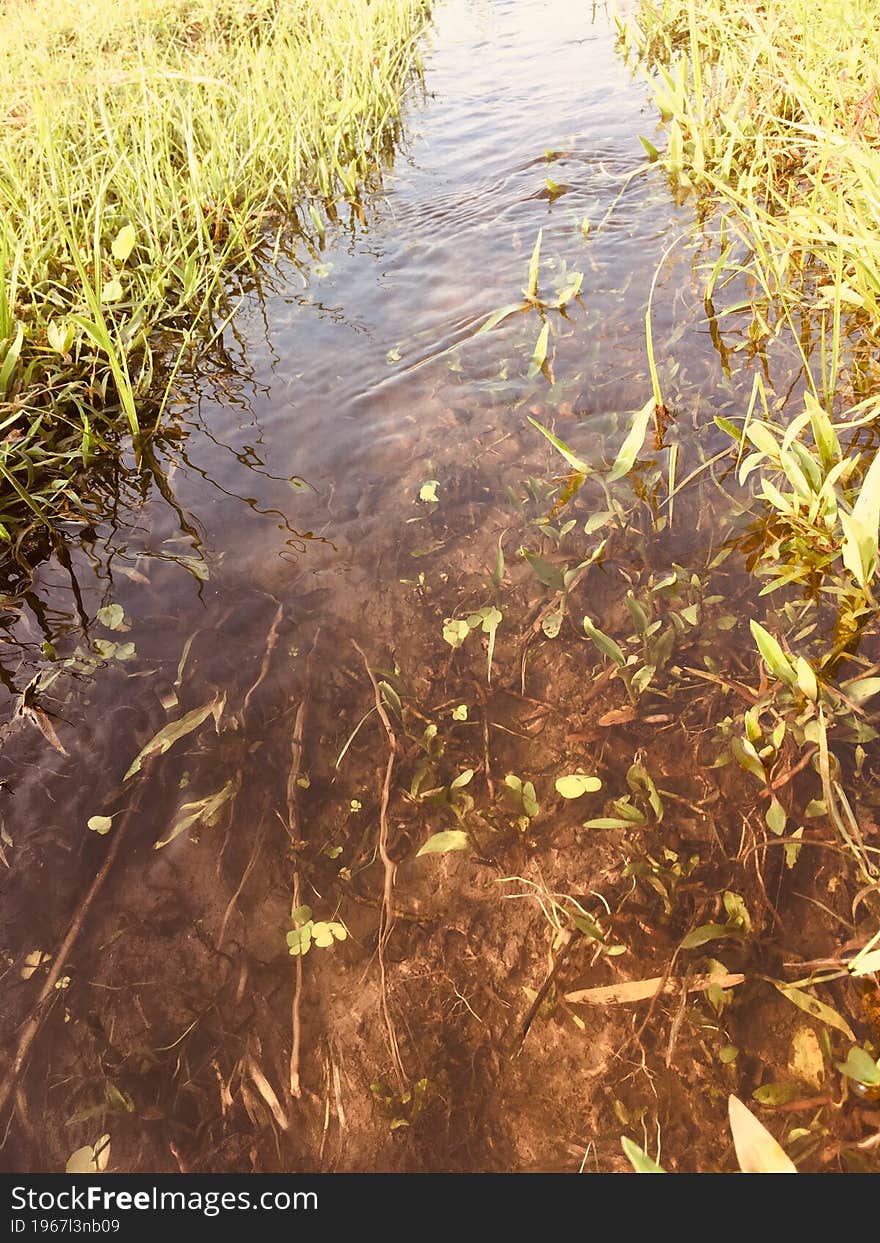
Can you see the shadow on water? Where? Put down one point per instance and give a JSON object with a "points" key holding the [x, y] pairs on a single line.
{"points": [[337, 477]]}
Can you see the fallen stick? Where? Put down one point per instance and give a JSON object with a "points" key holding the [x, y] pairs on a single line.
{"points": [[32, 1027], [645, 990]]}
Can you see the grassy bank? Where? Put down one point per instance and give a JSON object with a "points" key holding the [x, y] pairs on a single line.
{"points": [[773, 120], [149, 148]]}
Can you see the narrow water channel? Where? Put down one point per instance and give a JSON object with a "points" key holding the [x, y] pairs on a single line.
{"points": [[333, 488]]}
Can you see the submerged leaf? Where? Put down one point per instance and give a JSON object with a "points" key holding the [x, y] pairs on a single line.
{"points": [[630, 448], [817, 1009], [442, 843], [638, 1158], [756, 1149], [171, 733], [576, 784], [203, 810]]}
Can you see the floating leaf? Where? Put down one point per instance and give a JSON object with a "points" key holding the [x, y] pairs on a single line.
{"points": [[100, 824], [171, 733], [576, 784], [756, 1149], [112, 616], [442, 843]]}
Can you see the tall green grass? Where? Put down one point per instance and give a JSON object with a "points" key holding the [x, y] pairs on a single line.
{"points": [[148, 148], [773, 120], [773, 115]]}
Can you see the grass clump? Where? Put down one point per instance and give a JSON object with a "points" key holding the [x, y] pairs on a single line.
{"points": [[148, 149]]}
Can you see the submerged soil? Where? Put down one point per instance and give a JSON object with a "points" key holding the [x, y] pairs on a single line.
{"points": [[334, 489]]}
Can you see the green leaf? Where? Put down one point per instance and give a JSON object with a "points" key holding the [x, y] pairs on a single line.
{"points": [[806, 679], [123, 243], [776, 817], [756, 1149], [10, 359], [630, 448], [203, 811], [462, 779], [776, 660], [171, 733], [428, 491], [605, 643], [705, 933], [862, 689], [534, 263], [607, 822], [638, 1158], [653, 153], [539, 358], [442, 843], [529, 800], [573, 460], [100, 824], [823, 432], [90, 1159], [549, 574], [460, 713], [737, 911], [500, 315], [455, 632], [776, 1093], [577, 784], [859, 1065], [858, 548], [111, 291], [324, 934], [817, 1009]]}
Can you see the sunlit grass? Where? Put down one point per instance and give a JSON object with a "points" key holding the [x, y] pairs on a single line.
{"points": [[147, 149]]}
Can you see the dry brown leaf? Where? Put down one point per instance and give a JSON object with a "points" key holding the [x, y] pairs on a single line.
{"points": [[644, 990]]}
